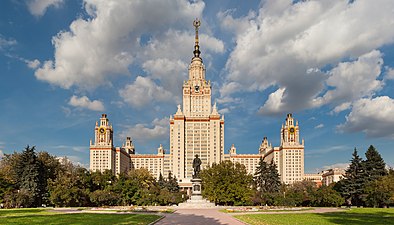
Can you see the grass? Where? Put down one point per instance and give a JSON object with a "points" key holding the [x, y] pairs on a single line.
{"points": [[365, 216], [265, 210], [41, 216]]}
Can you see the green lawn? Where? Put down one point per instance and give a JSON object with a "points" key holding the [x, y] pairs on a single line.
{"points": [[41, 216], [364, 216]]}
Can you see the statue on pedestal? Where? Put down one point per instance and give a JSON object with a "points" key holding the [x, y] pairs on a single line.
{"points": [[196, 167]]}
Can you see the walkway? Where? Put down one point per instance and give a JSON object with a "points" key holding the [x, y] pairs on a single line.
{"points": [[198, 216]]}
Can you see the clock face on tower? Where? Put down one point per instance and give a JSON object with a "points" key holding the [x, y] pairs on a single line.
{"points": [[197, 88], [291, 130], [102, 130]]}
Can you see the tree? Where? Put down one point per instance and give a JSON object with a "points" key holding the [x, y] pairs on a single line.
{"points": [[301, 193], [380, 192], [69, 188], [261, 176], [172, 184], [227, 183], [374, 165], [326, 196], [50, 167], [353, 184], [30, 177], [267, 182]]}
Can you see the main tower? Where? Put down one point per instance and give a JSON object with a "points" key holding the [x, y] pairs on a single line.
{"points": [[197, 128]]}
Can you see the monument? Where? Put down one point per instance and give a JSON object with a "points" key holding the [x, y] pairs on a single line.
{"points": [[196, 200]]}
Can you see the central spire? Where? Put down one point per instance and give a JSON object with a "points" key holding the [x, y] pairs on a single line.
{"points": [[196, 51]]}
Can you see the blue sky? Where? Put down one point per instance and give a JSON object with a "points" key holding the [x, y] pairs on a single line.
{"points": [[330, 63]]}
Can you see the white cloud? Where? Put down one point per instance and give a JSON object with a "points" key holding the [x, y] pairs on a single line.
{"points": [[144, 91], [171, 73], [75, 160], [107, 43], [39, 7], [84, 102], [371, 116], [343, 166], [33, 64], [279, 45], [144, 133], [389, 73], [319, 126], [4, 42], [342, 107], [1, 154], [354, 80]]}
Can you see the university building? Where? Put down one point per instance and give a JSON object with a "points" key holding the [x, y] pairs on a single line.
{"points": [[196, 129]]}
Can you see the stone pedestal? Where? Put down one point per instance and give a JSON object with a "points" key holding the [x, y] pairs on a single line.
{"points": [[196, 186], [196, 200]]}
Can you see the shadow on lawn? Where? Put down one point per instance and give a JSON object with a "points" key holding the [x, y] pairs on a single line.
{"points": [[365, 218], [189, 219]]}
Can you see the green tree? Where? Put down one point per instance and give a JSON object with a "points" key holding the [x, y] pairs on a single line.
{"points": [[227, 183], [30, 177], [380, 192], [374, 165], [69, 188], [172, 183], [301, 193], [267, 183], [326, 196], [261, 176], [352, 186], [145, 189], [50, 167]]}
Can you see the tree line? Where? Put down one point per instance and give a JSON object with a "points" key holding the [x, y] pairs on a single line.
{"points": [[31, 179], [365, 183]]}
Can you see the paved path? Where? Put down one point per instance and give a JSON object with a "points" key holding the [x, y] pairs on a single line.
{"points": [[198, 216]]}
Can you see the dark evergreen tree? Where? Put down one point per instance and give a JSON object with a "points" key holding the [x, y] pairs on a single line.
{"points": [[274, 179], [375, 167], [172, 184], [267, 177], [261, 176], [30, 177], [161, 182], [353, 184]]}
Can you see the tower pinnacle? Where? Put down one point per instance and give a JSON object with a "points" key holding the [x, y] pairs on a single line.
{"points": [[196, 24]]}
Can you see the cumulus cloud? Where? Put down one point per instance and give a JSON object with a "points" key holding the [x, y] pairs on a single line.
{"points": [[371, 116], [143, 91], [288, 45], [39, 7], [353, 80], [116, 34], [1, 154], [144, 133], [85, 102]]}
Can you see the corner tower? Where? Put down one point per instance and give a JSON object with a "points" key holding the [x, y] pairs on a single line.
{"points": [[102, 152], [197, 128], [291, 152]]}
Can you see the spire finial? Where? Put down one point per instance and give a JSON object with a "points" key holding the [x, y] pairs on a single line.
{"points": [[196, 24]]}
